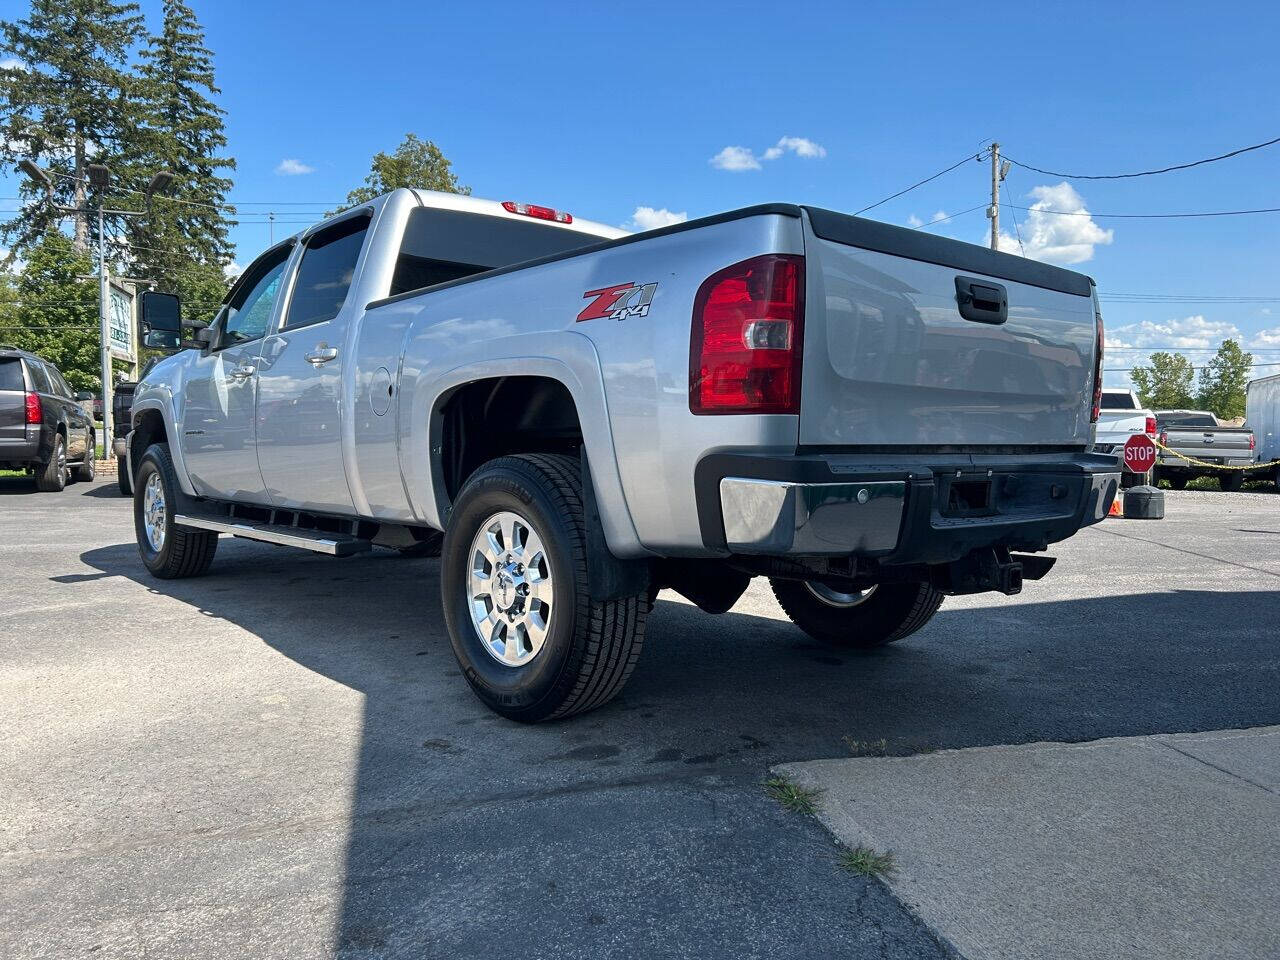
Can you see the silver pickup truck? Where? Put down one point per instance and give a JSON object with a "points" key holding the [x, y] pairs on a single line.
{"points": [[1196, 434], [575, 418]]}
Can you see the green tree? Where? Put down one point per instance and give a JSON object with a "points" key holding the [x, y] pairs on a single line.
{"points": [[68, 103], [1167, 384], [57, 314], [1223, 380], [182, 243], [415, 163]]}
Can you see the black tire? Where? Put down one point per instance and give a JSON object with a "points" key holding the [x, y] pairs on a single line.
{"points": [[87, 469], [184, 551], [891, 612], [123, 480], [1231, 480], [591, 646], [51, 477]]}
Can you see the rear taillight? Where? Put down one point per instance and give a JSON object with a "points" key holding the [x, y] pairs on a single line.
{"points": [[35, 412], [1151, 427], [747, 337], [1097, 374], [533, 210], [1253, 442], [1164, 438]]}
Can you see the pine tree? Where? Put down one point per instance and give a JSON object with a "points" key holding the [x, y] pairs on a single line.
{"points": [[69, 103], [182, 243]]}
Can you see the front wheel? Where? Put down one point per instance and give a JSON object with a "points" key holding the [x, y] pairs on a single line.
{"points": [[88, 469], [861, 620], [530, 639], [169, 550]]}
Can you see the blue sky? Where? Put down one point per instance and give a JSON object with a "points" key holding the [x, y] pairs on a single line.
{"points": [[601, 109]]}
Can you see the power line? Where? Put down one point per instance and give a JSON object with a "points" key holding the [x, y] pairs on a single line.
{"points": [[920, 184], [1147, 216], [921, 226], [1143, 173], [1252, 366], [1017, 229]]}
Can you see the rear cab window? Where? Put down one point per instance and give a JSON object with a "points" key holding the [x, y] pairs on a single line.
{"points": [[443, 245], [1118, 401], [1189, 420]]}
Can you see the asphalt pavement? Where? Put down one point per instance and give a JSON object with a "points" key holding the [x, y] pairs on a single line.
{"points": [[281, 759]]}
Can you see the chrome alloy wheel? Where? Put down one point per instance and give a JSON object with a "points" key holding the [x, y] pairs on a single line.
{"points": [[834, 598], [153, 512], [511, 592]]}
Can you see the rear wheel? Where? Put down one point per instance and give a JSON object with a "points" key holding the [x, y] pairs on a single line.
{"points": [[862, 620], [169, 550], [530, 639], [123, 480], [1231, 480], [51, 477]]}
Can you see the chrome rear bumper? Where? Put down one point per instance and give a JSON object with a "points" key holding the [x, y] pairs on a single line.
{"points": [[776, 516]]}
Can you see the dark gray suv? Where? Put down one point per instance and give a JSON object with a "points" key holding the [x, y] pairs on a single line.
{"points": [[43, 430]]}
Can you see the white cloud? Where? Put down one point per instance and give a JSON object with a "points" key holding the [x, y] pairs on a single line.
{"points": [[800, 146], [914, 221], [1056, 238], [1266, 338], [232, 270], [647, 218], [289, 167], [738, 159], [12, 63], [735, 159], [1187, 333]]}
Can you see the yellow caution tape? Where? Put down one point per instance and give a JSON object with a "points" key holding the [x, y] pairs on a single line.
{"points": [[1214, 466]]}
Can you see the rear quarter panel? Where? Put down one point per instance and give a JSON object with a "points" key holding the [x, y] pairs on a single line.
{"points": [[629, 378]]}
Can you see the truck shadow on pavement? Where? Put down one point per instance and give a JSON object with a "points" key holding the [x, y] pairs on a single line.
{"points": [[646, 816]]}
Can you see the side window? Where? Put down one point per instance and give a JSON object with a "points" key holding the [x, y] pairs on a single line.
{"points": [[39, 377], [59, 385], [249, 311], [324, 276]]}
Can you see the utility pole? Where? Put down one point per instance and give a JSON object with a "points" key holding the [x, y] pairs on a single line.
{"points": [[994, 210], [271, 229], [104, 331]]}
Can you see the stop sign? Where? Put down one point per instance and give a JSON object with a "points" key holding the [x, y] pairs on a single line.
{"points": [[1139, 453]]}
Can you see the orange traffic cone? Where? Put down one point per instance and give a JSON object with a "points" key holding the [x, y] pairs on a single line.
{"points": [[1116, 509]]}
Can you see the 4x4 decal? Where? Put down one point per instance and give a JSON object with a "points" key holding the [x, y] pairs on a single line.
{"points": [[618, 302]]}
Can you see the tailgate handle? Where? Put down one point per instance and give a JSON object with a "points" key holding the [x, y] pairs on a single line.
{"points": [[981, 300]]}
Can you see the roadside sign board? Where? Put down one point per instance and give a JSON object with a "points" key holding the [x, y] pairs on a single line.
{"points": [[120, 324], [1139, 453]]}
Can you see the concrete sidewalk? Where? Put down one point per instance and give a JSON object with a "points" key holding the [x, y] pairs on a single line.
{"points": [[1163, 845]]}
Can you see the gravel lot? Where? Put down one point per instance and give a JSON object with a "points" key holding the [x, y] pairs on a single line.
{"points": [[281, 759]]}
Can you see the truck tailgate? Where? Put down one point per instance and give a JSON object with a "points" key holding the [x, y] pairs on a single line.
{"points": [[1210, 443], [890, 361]]}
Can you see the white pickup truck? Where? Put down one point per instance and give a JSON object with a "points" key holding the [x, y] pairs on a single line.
{"points": [[1122, 416], [576, 418]]}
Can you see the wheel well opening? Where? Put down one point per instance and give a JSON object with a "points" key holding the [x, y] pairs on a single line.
{"points": [[506, 415], [148, 428]]}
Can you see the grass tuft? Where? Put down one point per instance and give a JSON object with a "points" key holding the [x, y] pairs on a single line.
{"points": [[867, 748], [867, 862], [791, 795]]}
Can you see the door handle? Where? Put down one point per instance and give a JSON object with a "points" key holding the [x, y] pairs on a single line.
{"points": [[243, 371], [321, 355]]}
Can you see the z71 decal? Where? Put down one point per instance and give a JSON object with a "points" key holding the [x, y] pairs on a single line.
{"points": [[618, 302]]}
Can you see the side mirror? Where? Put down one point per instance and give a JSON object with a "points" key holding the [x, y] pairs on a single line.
{"points": [[83, 395], [201, 339], [161, 316]]}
